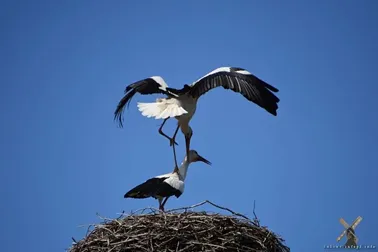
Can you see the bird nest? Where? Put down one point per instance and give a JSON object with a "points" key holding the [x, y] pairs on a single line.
{"points": [[179, 230]]}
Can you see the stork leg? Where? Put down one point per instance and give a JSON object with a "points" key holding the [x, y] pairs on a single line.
{"points": [[165, 201], [173, 146], [161, 207], [171, 140], [174, 135]]}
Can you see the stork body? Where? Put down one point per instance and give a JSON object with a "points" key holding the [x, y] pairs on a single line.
{"points": [[182, 103], [164, 186]]}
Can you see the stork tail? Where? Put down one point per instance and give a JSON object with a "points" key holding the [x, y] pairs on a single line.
{"points": [[162, 109]]}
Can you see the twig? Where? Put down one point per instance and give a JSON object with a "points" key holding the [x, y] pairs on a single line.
{"points": [[121, 215], [108, 219], [208, 244], [266, 237], [177, 246], [256, 220], [227, 209], [211, 203], [185, 208]]}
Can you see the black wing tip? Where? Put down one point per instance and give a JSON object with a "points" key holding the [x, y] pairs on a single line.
{"points": [[118, 116], [124, 102], [271, 108], [127, 89], [135, 194], [130, 194], [272, 100], [271, 88], [271, 105], [273, 112], [267, 85]]}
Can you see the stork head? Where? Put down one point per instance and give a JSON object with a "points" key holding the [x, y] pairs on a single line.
{"points": [[186, 86], [195, 157]]}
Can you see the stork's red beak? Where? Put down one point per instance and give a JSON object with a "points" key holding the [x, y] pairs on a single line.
{"points": [[202, 159]]}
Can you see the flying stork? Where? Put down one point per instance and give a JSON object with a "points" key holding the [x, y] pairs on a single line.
{"points": [[166, 185], [182, 103]]}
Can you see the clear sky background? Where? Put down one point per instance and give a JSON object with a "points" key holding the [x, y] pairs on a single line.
{"points": [[64, 66]]}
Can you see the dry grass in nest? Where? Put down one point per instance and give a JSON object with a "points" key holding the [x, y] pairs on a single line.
{"points": [[179, 230]]}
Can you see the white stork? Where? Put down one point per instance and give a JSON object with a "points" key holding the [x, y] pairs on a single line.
{"points": [[181, 103], [166, 185]]}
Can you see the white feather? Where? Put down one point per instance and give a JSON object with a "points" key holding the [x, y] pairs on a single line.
{"points": [[161, 82], [161, 109], [173, 180], [245, 72]]}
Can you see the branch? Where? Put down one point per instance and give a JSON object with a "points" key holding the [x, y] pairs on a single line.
{"points": [[256, 220], [186, 208], [227, 209], [211, 203]]}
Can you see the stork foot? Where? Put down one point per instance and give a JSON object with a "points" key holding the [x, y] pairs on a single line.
{"points": [[161, 208], [172, 141]]}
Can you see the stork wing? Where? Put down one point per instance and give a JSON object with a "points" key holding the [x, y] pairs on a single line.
{"points": [[152, 85], [241, 81], [146, 189]]}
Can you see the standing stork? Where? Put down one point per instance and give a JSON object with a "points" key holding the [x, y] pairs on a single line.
{"points": [[167, 185], [181, 103]]}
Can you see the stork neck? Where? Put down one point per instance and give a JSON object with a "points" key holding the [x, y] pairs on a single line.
{"points": [[184, 125], [183, 169]]}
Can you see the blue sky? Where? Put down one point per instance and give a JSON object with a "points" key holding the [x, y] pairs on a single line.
{"points": [[64, 67]]}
